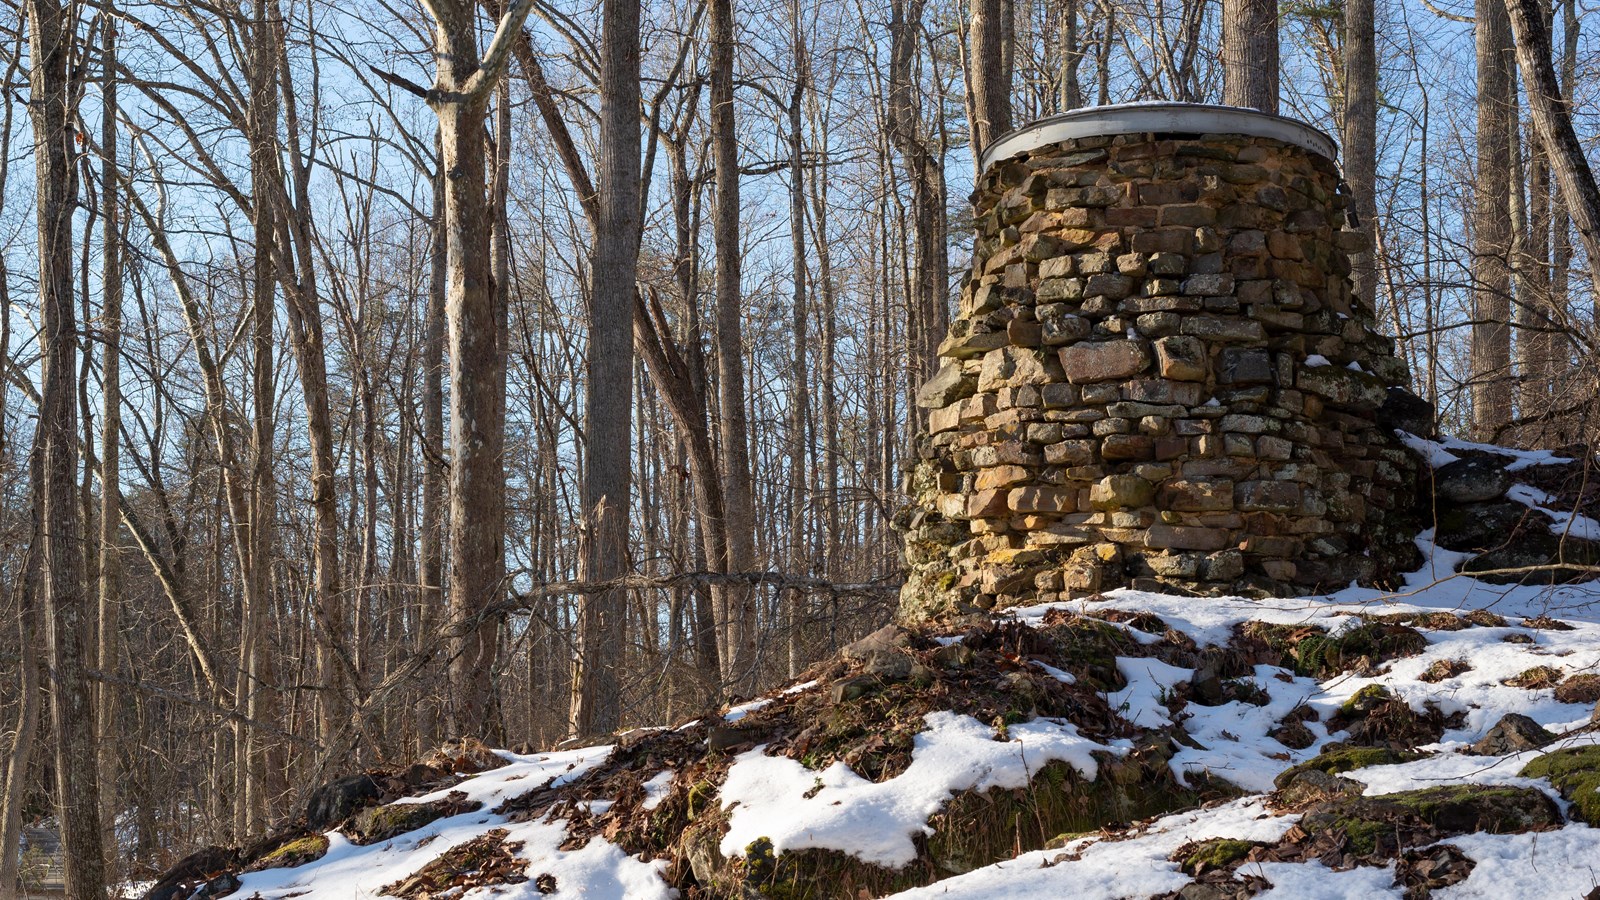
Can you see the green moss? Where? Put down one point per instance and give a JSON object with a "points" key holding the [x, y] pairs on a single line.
{"points": [[760, 861], [1215, 854], [1337, 762], [1536, 678], [1390, 821], [297, 852], [1315, 653], [1362, 834], [700, 795], [1089, 647], [1575, 772], [1364, 700], [379, 823]]}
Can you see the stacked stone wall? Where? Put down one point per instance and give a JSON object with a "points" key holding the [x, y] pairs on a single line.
{"points": [[1158, 377]]}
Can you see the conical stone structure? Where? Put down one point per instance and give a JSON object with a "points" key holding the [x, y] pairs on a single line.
{"points": [[1158, 376]]}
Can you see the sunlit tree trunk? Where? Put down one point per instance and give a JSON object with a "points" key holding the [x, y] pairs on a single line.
{"points": [[1491, 271], [1250, 54], [608, 406], [109, 588], [1361, 136], [738, 621], [53, 97]]}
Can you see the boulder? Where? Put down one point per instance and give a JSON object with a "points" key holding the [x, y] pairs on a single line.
{"points": [[1575, 773], [1514, 733], [1475, 479], [1405, 411], [1476, 527], [339, 799]]}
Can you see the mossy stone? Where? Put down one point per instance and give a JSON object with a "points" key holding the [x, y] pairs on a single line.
{"points": [[1575, 772], [379, 823], [297, 852], [1364, 700], [1369, 822], [1346, 759], [1216, 853]]}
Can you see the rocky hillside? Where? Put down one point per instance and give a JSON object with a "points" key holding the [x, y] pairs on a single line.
{"points": [[1438, 740]]}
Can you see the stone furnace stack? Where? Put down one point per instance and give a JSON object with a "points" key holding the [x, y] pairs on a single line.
{"points": [[1158, 376]]}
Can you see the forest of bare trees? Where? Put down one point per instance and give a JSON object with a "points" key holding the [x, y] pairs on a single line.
{"points": [[382, 373]]}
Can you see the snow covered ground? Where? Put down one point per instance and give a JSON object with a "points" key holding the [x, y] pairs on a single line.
{"points": [[1474, 677], [794, 807]]}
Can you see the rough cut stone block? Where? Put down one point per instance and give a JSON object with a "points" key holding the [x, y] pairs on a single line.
{"points": [[1119, 491], [1205, 285], [1127, 447], [1059, 330], [1070, 453], [1197, 495], [1009, 366], [1002, 476], [946, 419], [1268, 496], [950, 384], [1056, 289], [1343, 387], [1042, 499], [1218, 328], [1244, 366], [1182, 358], [972, 345], [1104, 360], [1182, 537]]}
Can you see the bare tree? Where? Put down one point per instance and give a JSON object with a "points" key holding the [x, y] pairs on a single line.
{"points": [[608, 401], [988, 77], [738, 621], [1361, 134], [924, 165], [1553, 122], [55, 80], [1250, 54], [1491, 271], [463, 84]]}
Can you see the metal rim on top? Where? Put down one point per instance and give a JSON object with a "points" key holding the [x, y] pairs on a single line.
{"points": [[1165, 118]]}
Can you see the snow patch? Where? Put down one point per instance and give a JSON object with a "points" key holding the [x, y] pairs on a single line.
{"points": [[835, 809]]}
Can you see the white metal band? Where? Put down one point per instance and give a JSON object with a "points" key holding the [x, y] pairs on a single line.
{"points": [[1161, 118]]}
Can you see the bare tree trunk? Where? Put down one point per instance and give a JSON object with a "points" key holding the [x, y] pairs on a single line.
{"points": [[260, 756], [1561, 233], [799, 377], [19, 754], [302, 302], [1361, 136], [829, 325], [1536, 342], [431, 595], [989, 77], [1250, 54], [1491, 272], [738, 623], [930, 270], [608, 400], [53, 98], [109, 589], [463, 84], [1553, 122], [1071, 52]]}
